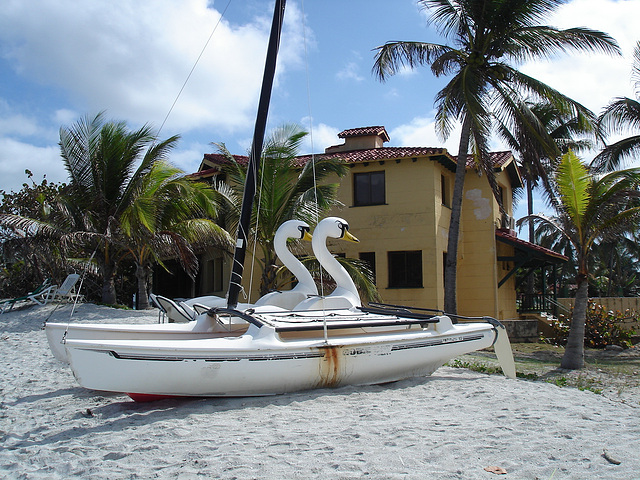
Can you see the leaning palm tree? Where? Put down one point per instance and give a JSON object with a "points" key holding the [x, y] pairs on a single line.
{"points": [[591, 208], [168, 217], [621, 116], [106, 163], [286, 190], [488, 38], [537, 159]]}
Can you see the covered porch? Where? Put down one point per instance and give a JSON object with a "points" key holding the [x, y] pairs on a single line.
{"points": [[540, 306]]}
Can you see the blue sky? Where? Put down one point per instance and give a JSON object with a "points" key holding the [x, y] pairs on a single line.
{"points": [[62, 59]]}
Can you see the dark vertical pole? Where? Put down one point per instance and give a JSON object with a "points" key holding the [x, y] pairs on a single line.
{"points": [[235, 283]]}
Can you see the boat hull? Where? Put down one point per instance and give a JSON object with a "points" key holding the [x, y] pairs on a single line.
{"points": [[58, 333], [259, 363]]}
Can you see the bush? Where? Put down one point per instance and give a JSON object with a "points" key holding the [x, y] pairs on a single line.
{"points": [[602, 328]]}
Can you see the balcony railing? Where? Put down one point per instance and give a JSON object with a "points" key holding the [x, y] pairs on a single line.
{"points": [[540, 302]]}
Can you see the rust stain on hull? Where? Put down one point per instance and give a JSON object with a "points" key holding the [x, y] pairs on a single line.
{"points": [[330, 366]]}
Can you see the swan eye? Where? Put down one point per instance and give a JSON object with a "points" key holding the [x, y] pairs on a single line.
{"points": [[303, 230]]}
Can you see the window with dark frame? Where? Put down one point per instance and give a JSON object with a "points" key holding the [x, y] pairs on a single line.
{"points": [[368, 188], [444, 190], [370, 259], [405, 269]]}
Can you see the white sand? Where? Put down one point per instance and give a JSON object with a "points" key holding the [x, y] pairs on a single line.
{"points": [[448, 426]]}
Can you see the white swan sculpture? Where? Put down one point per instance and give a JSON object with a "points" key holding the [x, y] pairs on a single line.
{"points": [[345, 294], [288, 299]]}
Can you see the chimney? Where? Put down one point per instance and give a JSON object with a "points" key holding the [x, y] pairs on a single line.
{"points": [[364, 138]]}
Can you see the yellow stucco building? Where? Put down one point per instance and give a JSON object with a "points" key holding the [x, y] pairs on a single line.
{"points": [[397, 202]]}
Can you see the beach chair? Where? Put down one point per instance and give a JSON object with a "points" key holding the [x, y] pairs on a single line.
{"points": [[153, 300], [66, 291], [41, 296], [176, 312]]}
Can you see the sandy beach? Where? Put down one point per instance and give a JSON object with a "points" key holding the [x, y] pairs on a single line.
{"points": [[451, 425]]}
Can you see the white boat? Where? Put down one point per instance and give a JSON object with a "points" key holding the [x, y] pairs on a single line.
{"points": [[322, 342], [274, 353], [58, 333]]}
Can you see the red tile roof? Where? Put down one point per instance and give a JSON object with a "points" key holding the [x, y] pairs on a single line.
{"points": [[365, 131], [500, 159], [219, 159], [507, 237], [373, 155], [379, 154]]}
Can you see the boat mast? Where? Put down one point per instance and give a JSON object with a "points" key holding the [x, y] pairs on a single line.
{"points": [[235, 283]]}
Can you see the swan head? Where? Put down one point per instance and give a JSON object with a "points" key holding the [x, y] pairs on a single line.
{"points": [[295, 229], [335, 227]]}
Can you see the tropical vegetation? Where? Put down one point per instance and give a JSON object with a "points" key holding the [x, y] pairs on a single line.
{"points": [[34, 258], [621, 116], [589, 208], [122, 202], [489, 38]]}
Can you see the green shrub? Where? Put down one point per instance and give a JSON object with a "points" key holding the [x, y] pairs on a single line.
{"points": [[602, 328]]}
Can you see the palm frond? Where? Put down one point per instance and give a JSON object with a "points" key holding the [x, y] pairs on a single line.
{"points": [[574, 182]]}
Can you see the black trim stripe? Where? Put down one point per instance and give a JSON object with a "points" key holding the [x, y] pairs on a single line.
{"points": [[235, 358], [289, 356], [439, 341]]}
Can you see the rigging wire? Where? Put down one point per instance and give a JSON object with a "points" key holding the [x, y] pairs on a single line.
{"points": [[157, 135], [193, 67], [313, 163]]}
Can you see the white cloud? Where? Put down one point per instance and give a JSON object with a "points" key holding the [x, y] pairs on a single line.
{"points": [[190, 157], [132, 59], [65, 117], [421, 132], [350, 72], [16, 124], [320, 137], [16, 156], [593, 79]]}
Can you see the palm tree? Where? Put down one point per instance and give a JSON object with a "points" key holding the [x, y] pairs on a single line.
{"points": [[106, 163], [590, 208], [488, 37], [538, 158], [287, 189], [168, 216], [614, 267], [621, 115]]}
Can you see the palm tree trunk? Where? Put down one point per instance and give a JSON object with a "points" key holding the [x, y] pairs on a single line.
{"points": [[108, 284], [268, 279], [530, 286], [451, 267], [143, 296], [573, 357]]}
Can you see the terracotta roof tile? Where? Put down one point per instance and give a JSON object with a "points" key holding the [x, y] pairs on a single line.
{"points": [[511, 238], [372, 155], [365, 131], [379, 154], [500, 159], [219, 159]]}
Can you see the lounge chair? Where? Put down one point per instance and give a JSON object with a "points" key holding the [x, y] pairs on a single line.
{"points": [[153, 300], [41, 296], [176, 312], [67, 291]]}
